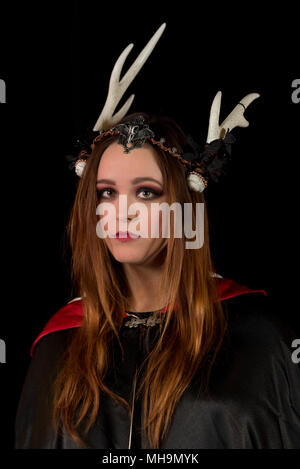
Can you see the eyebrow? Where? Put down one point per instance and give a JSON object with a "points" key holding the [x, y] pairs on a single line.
{"points": [[134, 181]]}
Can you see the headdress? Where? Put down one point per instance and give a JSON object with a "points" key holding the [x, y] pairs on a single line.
{"points": [[201, 166]]}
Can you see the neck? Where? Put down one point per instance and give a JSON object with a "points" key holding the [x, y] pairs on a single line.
{"points": [[144, 282]]}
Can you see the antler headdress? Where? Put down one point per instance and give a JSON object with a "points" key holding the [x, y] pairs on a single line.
{"points": [[201, 166]]}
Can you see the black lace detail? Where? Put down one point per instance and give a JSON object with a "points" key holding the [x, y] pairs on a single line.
{"points": [[133, 134], [213, 160]]}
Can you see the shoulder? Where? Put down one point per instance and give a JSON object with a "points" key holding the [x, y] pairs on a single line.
{"points": [[48, 356], [33, 422], [69, 316], [259, 348], [248, 310], [52, 346], [256, 316]]}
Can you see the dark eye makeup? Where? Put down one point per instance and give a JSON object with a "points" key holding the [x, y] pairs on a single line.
{"points": [[154, 193]]}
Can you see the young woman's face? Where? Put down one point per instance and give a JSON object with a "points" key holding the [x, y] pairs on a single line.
{"points": [[137, 177]]}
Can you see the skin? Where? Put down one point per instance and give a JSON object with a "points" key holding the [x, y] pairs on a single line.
{"points": [[141, 259]]}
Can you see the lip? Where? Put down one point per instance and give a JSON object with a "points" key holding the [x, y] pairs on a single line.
{"points": [[126, 236]]}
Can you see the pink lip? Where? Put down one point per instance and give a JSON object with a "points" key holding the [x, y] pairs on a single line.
{"points": [[126, 236]]}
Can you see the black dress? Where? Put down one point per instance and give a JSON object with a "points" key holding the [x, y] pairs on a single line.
{"points": [[254, 390]]}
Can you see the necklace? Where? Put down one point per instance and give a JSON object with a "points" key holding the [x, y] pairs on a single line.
{"points": [[146, 319]]}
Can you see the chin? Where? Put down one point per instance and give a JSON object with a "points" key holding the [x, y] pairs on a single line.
{"points": [[128, 258], [127, 254]]}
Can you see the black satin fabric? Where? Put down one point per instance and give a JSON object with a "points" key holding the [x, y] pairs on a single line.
{"points": [[253, 401]]}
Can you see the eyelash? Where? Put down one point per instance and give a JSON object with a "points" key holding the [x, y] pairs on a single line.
{"points": [[140, 189]]}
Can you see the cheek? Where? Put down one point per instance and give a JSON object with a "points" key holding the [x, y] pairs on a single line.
{"points": [[106, 213], [161, 217], [156, 222]]}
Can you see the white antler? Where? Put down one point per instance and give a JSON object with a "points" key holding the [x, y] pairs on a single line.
{"points": [[118, 87], [235, 119]]}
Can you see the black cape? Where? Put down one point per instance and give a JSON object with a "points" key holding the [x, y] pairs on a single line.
{"points": [[254, 391]]}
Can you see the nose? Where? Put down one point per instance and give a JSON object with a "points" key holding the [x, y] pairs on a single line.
{"points": [[122, 206], [122, 218]]}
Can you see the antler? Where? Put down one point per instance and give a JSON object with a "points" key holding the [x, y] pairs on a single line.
{"points": [[118, 87], [235, 119]]}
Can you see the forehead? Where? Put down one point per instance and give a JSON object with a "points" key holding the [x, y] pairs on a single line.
{"points": [[114, 163]]}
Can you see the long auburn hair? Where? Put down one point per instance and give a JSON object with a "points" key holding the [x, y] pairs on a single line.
{"points": [[192, 334]]}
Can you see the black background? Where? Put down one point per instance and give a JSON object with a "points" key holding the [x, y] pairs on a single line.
{"points": [[56, 60]]}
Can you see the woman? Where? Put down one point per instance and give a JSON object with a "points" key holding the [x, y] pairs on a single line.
{"points": [[157, 351]]}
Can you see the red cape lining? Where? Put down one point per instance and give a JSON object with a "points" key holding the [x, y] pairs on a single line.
{"points": [[71, 315]]}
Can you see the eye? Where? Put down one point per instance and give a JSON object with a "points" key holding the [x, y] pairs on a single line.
{"points": [[148, 193], [100, 193]]}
